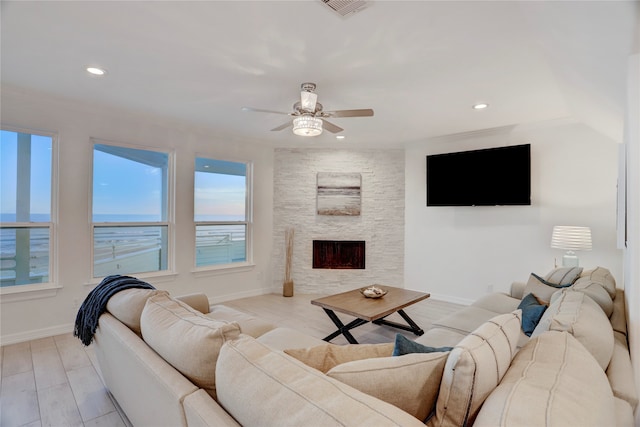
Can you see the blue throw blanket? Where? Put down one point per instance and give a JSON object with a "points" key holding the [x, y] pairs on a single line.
{"points": [[96, 303]]}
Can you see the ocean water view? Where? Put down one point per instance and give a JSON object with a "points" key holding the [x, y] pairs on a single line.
{"points": [[122, 249]]}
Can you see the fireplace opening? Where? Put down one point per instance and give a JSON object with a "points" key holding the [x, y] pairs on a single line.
{"points": [[338, 254]]}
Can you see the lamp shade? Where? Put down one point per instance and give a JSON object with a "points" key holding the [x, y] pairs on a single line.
{"points": [[571, 238]]}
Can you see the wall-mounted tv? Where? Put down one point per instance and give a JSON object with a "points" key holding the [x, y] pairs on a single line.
{"points": [[487, 177]]}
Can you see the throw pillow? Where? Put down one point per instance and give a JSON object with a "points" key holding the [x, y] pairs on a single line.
{"points": [[326, 356], [552, 381], [576, 313], [260, 386], [474, 368], [596, 292], [127, 306], [186, 338], [409, 382], [563, 276], [404, 345], [603, 277], [542, 288], [532, 311]]}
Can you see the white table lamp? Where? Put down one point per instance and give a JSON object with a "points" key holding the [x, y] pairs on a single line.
{"points": [[571, 239]]}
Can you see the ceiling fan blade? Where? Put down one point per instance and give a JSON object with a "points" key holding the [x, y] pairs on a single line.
{"points": [[366, 112], [262, 110], [283, 126], [331, 127], [308, 101]]}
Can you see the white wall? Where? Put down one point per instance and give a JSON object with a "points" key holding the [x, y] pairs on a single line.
{"points": [[380, 224], [632, 252], [462, 253], [75, 124]]}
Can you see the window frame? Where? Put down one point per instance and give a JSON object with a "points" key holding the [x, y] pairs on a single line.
{"points": [[49, 288], [248, 222], [169, 221]]}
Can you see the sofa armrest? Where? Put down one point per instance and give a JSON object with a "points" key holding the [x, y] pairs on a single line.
{"points": [[517, 289], [197, 301], [202, 411]]}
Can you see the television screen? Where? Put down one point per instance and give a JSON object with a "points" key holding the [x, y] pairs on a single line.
{"points": [[488, 177]]}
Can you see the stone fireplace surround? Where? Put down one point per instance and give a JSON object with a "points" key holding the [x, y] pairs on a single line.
{"points": [[380, 223]]}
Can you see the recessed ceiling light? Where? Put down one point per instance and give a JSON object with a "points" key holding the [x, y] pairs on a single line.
{"points": [[480, 106], [96, 71], [340, 136]]}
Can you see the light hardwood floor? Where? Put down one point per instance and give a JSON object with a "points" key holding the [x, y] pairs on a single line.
{"points": [[56, 381]]}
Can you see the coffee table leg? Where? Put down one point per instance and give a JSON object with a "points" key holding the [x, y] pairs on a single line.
{"points": [[342, 328], [413, 327]]}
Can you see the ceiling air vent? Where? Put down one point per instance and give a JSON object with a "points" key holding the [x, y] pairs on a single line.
{"points": [[346, 7]]}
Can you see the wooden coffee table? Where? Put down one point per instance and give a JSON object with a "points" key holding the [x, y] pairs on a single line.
{"points": [[373, 310]]}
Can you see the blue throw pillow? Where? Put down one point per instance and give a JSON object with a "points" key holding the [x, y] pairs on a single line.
{"points": [[404, 345], [532, 312]]}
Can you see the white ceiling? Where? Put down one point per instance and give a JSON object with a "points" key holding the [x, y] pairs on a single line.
{"points": [[420, 65]]}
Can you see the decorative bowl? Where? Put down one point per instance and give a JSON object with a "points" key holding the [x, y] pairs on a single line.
{"points": [[373, 292]]}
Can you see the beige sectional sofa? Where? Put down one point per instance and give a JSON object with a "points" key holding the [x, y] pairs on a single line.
{"points": [[178, 361]]}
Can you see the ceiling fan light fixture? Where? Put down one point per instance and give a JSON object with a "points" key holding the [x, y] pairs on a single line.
{"points": [[307, 126]]}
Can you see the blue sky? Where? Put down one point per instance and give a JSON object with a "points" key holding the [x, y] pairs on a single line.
{"points": [[125, 187], [120, 186], [41, 147], [218, 194]]}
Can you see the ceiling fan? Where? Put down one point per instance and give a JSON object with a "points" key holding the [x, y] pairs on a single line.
{"points": [[309, 117]]}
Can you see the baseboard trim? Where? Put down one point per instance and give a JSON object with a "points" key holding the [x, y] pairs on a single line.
{"points": [[36, 334], [452, 299]]}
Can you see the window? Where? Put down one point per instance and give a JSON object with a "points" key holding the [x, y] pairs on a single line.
{"points": [[221, 212], [26, 231], [130, 209]]}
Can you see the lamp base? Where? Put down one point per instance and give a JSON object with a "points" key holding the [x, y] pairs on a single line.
{"points": [[570, 259]]}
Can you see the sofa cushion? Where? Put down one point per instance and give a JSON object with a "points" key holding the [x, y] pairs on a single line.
{"points": [[284, 338], [620, 372], [603, 277], [596, 292], [197, 301], [465, 320], [186, 338], [249, 325], [410, 382], [618, 318], [532, 311], [404, 345], [441, 337], [324, 357], [127, 305], [497, 302], [260, 386], [552, 381], [578, 314], [474, 368]]}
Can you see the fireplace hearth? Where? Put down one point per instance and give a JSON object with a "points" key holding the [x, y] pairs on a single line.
{"points": [[339, 254]]}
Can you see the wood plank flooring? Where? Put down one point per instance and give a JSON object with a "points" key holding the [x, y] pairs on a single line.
{"points": [[56, 381]]}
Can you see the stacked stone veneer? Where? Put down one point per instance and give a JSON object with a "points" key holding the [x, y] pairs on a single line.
{"points": [[380, 224]]}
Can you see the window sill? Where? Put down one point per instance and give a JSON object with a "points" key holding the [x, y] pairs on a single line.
{"points": [[216, 270], [28, 292], [159, 277]]}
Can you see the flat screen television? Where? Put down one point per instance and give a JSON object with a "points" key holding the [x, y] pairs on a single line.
{"points": [[487, 177]]}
